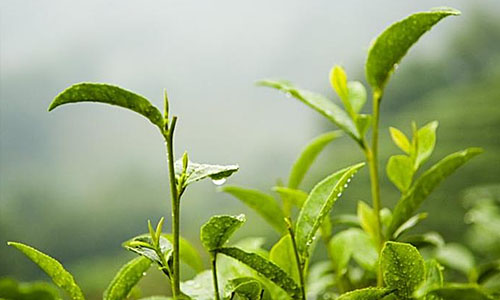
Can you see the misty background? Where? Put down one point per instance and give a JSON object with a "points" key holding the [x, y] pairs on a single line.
{"points": [[79, 181]]}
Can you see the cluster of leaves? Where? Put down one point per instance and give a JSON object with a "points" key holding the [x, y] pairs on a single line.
{"points": [[373, 258]]}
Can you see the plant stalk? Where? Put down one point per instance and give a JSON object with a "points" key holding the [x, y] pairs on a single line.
{"points": [[297, 258], [169, 138], [214, 276]]}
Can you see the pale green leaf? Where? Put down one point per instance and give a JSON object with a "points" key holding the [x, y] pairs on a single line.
{"points": [[367, 219], [338, 81], [357, 95], [366, 294], [109, 94], [157, 298], [402, 268], [433, 280], [429, 180], [409, 224], [400, 139], [188, 253], [196, 172], [426, 142], [282, 254], [244, 288], [200, 287], [352, 243], [53, 268], [307, 157], [266, 268], [392, 45], [461, 291], [264, 204], [297, 197], [318, 205], [363, 122], [319, 103], [215, 233], [126, 278], [138, 245], [457, 257], [400, 171], [346, 219], [320, 277]]}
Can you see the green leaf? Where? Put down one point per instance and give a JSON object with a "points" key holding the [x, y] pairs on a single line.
{"points": [[53, 268], [246, 288], [400, 139], [363, 122], [367, 219], [422, 240], [109, 94], [283, 255], [201, 287], [143, 245], [215, 233], [457, 257], [400, 171], [264, 204], [357, 95], [157, 298], [188, 253], [126, 278], [366, 294], [355, 243], [433, 280], [10, 289], [196, 172], [390, 47], [426, 142], [338, 81], [318, 205], [409, 224], [487, 270], [307, 157], [346, 219], [266, 268], [297, 197], [319, 103], [429, 180], [402, 268], [460, 291]]}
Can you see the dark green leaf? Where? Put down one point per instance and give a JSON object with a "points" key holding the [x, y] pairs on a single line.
{"points": [[245, 288], [366, 294], [400, 171], [126, 278], [319, 103], [215, 233], [265, 268], [487, 271], [37, 290], [409, 224], [264, 204], [402, 268], [318, 205], [297, 197], [282, 254], [307, 157], [53, 268], [109, 94], [390, 47], [429, 180], [461, 291], [196, 172]]}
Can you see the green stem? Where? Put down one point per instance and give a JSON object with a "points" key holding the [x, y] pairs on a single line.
{"points": [[297, 258], [176, 290], [214, 276]]}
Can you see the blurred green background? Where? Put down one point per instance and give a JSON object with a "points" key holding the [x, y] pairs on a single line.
{"points": [[77, 182]]}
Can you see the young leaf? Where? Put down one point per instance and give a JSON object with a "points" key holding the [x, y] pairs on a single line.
{"points": [[400, 139], [366, 294], [367, 219], [297, 197], [196, 172], [460, 291], [143, 245], [338, 81], [282, 254], [109, 94], [126, 278], [390, 47], [402, 268], [357, 95], [53, 268], [429, 180], [215, 233], [426, 142], [457, 257], [265, 268], [409, 224], [188, 253], [245, 287], [346, 219], [400, 171], [307, 157], [319, 103], [318, 205], [353, 243], [264, 204], [363, 122]]}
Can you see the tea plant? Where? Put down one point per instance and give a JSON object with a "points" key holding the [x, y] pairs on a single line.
{"points": [[374, 258]]}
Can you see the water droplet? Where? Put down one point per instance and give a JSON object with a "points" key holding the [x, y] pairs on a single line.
{"points": [[348, 180], [143, 273], [396, 66], [339, 194], [219, 181], [288, 95], [345, 186]]}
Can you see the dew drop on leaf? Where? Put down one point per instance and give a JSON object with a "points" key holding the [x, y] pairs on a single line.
{"points": [[219, 181]]}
